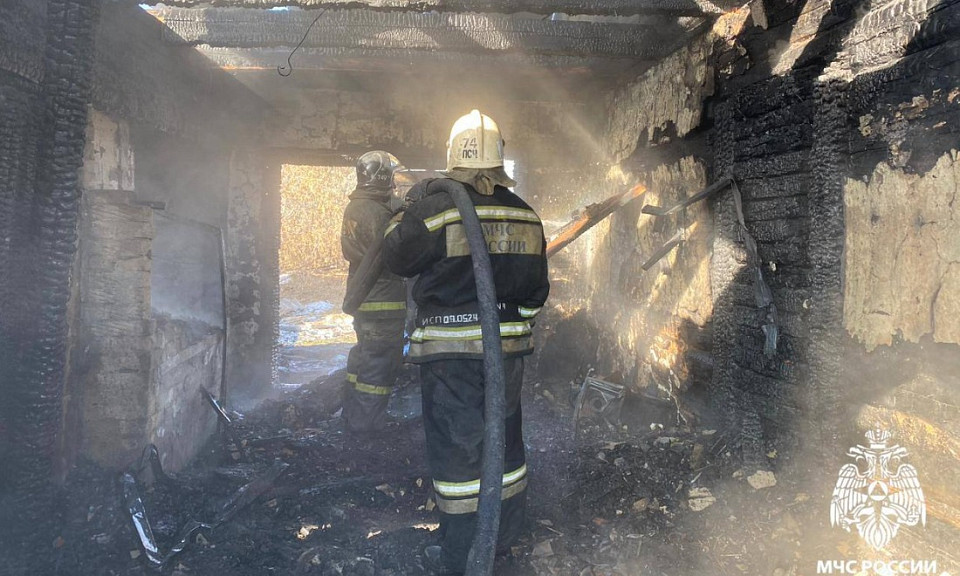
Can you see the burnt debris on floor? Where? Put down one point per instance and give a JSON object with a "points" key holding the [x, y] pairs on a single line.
{"points": [[300, 496], [757, 204]]}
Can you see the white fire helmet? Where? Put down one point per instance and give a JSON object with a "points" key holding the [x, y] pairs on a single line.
{"points": [[475, 142]]}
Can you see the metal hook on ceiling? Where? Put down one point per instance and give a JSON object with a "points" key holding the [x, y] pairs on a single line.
{"points": [[288, 69]]}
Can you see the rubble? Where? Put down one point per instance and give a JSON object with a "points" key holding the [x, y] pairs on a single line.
{"points": [[762, 479], [700, 499], [313, 499]]}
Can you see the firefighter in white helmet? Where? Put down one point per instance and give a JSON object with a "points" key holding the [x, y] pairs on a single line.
{"points": [[428, 239]]}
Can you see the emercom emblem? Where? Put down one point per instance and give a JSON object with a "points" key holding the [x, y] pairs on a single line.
{"points": [[877, 494]]}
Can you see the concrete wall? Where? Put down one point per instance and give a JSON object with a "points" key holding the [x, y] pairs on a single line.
{"points": [[113, 362], [148, 332], [253, 277]]}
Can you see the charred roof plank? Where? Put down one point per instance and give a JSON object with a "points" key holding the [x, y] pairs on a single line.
{"points": [[432, 32], [395, 61], [545, 7]]}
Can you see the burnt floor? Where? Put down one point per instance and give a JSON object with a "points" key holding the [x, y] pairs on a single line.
{"points": [[650, 497], [614, 503]]}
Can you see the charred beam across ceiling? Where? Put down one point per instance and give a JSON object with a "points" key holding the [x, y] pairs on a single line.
{"points": [[365, 29], [397, 61], [543, 7]]}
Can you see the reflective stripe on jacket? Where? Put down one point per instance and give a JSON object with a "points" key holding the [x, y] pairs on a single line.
{"points": [[429, 240]]}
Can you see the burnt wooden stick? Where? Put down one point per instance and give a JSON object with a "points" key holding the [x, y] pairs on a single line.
{"points": [[681, 236], [590, 217], [705, 193], [663, 250], [250, 492]]}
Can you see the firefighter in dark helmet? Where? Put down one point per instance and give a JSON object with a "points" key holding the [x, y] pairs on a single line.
{"points": [[428, 239], [373, 363]]}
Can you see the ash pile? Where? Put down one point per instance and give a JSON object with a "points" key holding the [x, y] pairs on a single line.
{"points": [[282, 490], [639, 497]]}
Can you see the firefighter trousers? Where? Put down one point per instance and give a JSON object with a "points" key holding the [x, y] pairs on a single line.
{"points": [[452, 395], [372, 366]]}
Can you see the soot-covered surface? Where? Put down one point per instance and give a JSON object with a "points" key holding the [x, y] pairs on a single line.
{"points": [[646, 497], [638, 500]]}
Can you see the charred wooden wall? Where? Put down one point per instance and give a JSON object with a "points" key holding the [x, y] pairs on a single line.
{"points": [[57, 58], [765, 138], [45, 56], [838, 120], [650, 329], [825, 109]]}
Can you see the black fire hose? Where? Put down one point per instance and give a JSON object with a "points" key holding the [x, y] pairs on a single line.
{"points": [[483, 550], [480, 558]]}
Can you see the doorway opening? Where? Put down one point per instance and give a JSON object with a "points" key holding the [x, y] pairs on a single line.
{"points": [[315, 335]]}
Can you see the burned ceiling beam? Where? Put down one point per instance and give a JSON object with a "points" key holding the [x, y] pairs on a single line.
{"points": [[544, 7], [401, 61], [365, 29]]}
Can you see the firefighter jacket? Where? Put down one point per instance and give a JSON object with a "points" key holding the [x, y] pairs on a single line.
{"points": [[429, 239], [366, 216]]}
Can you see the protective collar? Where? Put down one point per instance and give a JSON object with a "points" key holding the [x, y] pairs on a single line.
{"points": [[483, 180], [369, 193]]}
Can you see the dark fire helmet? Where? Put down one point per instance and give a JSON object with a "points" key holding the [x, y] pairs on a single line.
{"points": [[375, 170]]}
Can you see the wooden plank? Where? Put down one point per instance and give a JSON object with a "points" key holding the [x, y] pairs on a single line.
{"points": [[472, 33], [590, 217], [546, 7]]}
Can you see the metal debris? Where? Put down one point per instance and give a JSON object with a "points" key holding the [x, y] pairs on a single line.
{"points": [[221, 413], [599, 401], [239, 453], [151, 456], [543, 549], [141, 524], [242, 498], [185, 536], [762, 292]]}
